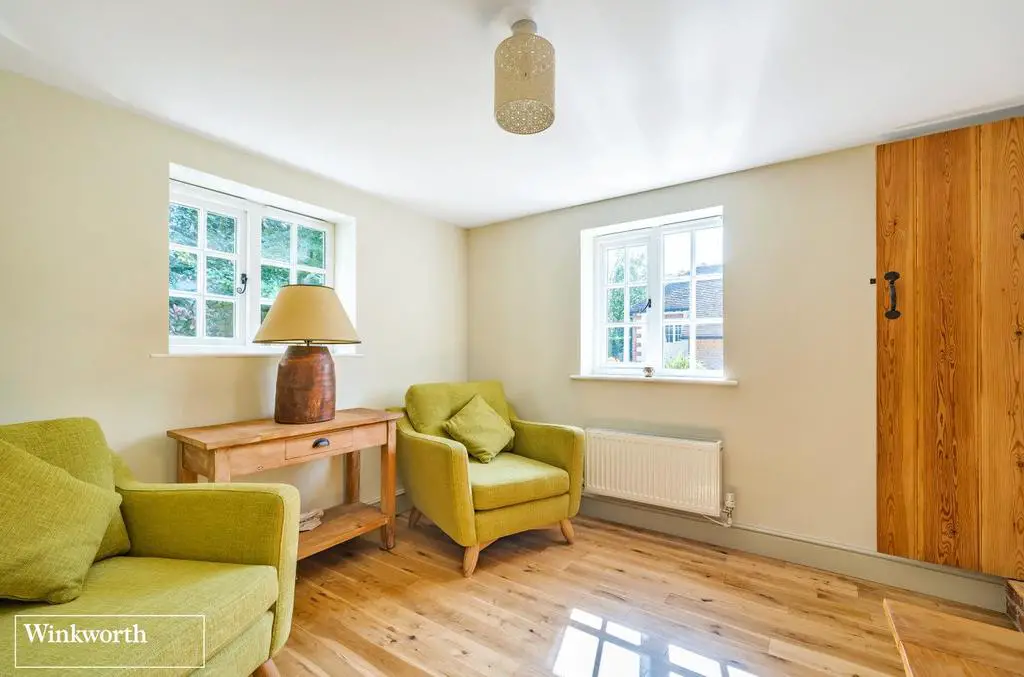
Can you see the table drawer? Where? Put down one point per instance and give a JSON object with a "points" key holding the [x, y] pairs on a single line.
{"points": [[256, 457], [327, 443], [370, 435]]}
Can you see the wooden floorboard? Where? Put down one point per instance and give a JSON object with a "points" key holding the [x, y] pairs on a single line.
{"points": [[620, 602]]}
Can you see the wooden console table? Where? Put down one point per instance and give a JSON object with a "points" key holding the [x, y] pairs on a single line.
{"points": [[220, 452]]}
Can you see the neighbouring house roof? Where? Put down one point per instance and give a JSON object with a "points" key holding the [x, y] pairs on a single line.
{"points": [[677, 294]]}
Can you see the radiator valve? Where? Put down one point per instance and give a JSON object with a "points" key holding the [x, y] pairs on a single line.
{"points": [[727, 510]]}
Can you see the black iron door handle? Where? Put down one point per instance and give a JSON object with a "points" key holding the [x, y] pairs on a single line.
{"points": [[891, 278]]}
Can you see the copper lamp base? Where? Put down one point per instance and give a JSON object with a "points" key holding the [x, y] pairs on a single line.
{"points": [[305, 385]]}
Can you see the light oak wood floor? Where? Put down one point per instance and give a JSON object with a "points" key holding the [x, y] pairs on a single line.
{"points": [[619, 603]]}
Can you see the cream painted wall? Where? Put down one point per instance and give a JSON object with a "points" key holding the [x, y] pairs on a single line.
{"points": [[799, 429], [83, 277]]}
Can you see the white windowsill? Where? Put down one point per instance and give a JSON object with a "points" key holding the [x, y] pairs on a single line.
{"points": [[692, 380]]}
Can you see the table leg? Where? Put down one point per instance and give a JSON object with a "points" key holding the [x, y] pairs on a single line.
{"points": [[388, 481], [352, 476], [220, 467], [185, 475]]}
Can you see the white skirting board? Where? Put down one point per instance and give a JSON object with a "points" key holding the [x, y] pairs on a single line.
{"points": [[953, 584]]}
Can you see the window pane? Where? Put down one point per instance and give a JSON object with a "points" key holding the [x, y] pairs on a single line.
{"points": [[637, 302], [264, 309], [306, 277], [622, 632], [616, 305], [272, 278], [676, 349], [576, 654], [183, 274], [709, 298], [183, 225], [636, 344], [638, 264], [618, 661], [220, 232], [312, 245], [710, 347], [676, 249], [581, 616], [220, 319], [708, 243], [616, 266], [737, 672], [181, 316], [615, 344], [677, 300], [694, 662], [276, 240], [220, 276]]}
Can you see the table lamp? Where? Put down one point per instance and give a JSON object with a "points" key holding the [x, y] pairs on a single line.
{"points": [[308, 317]]}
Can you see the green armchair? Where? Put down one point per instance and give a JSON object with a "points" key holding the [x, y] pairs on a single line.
{"points": [[226, 551], [535, 483]]}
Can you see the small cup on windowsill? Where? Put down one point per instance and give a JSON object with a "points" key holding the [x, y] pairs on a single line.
{"points": [[648, 372]]}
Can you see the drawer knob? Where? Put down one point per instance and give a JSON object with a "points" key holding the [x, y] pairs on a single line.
{"points": [[321, 442]]}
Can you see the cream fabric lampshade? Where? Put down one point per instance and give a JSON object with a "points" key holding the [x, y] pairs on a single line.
{"points": [[524, 81], [306, 314]]}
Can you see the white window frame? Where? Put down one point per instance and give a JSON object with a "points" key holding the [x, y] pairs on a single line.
{"points": [[255, 300], [602, 287], [595, 244], [249, 215]]}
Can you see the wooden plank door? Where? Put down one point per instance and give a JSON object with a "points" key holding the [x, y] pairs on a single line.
{"points": [[947, 350], [897, 380], [1002, 348]]}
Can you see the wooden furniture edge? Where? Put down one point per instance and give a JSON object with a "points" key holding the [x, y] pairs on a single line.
{"points": [[958, 639], [341, 523], [277, 431]]}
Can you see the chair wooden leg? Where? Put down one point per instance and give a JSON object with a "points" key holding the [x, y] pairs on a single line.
{"points": [[414, 517], [469, 559], [268, 669], [570, 535]]}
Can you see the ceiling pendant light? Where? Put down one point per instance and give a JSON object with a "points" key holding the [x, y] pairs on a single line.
{"points": [[524, 81]]}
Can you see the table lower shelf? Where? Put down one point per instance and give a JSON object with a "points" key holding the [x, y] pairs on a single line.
{"points": [[340, 523]]}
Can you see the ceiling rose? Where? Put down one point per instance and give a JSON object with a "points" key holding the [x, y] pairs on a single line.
{"points": [[524, 81]]}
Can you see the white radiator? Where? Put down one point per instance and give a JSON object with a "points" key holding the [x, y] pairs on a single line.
{"points": [[664, 471]]}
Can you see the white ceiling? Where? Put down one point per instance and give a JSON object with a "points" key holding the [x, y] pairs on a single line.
{"points": [[394, 96]]}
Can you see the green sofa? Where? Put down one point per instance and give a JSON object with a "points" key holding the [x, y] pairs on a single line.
{"points": [[226, 551], [537, 482]]}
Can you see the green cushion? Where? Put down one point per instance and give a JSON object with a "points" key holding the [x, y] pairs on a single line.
{"points": [[492, 524], [430, 405], [51, 526], [511, 479], [231, 596], [481, 429], [77, 445]]}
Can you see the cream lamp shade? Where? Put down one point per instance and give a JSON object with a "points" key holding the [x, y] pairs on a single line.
{"points": [[306, 314], [524, 81]]}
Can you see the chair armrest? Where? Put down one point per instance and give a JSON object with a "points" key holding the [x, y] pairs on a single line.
{"points": [[557, 445], [233, 523], [435, 474]]}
